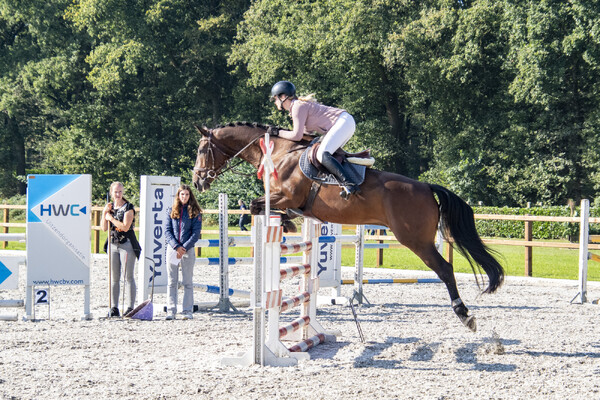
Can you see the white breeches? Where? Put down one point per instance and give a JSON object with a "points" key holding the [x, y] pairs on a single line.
{"points": [[338, 135]]}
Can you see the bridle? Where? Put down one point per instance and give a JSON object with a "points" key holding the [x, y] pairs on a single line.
{"points": [[211, 172]]}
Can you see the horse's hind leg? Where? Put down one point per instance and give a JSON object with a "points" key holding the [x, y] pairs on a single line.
{"points": [[432, 258]]}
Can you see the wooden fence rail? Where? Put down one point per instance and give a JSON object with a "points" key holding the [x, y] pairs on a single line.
{"points": [[528, 243], [96, 228]]}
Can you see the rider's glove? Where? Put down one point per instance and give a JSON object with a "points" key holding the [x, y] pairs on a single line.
{"points": [[273, 131]]}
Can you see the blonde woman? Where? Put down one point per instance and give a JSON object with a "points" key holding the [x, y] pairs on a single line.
{"points": [[309, 116], [119, 216], [182, 230]]}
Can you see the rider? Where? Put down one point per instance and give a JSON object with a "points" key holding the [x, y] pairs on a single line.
{"points": [[309, 116]]}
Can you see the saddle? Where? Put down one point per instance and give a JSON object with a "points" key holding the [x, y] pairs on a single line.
{"points": [[354, 165]]}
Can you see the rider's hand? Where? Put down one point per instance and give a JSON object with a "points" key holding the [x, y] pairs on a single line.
{"points": [[273, 131]]}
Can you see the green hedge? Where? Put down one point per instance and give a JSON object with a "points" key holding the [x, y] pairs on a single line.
{"points": [[541, 230]]}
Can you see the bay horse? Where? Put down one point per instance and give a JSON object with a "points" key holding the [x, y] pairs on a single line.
{"points": [[406, 206]]}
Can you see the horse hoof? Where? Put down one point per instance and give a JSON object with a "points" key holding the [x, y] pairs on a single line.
{"points": [[470, 323]]}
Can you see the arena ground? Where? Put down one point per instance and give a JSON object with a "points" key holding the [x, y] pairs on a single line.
{"points": [[531, 343]]}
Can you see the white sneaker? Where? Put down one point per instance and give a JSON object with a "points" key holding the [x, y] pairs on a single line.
{"points": [[187, 315], [170, 316]]}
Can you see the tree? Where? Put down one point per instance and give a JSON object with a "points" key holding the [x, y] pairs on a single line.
{"points": [[40, 72], [499, 100], [336, 49], [155, 68], [555, 55], [508, 92]]}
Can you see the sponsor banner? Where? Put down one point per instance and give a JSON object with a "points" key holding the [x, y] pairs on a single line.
{"points": [[157, 194], [58, 228], [330, 257]]}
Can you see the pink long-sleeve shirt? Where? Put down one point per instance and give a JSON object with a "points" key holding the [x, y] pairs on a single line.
{"points": [[308, 117]]}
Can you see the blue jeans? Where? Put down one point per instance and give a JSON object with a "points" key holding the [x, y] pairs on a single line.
{"points": [[187, 276], [242, 222]]}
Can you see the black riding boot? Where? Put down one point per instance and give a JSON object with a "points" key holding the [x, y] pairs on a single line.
{"points": [[336, 169]]}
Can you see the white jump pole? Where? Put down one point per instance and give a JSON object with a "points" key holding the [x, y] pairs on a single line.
{"points": [[583, 249], [12, 237], [258, 334], [224, 304], [358, 261]]}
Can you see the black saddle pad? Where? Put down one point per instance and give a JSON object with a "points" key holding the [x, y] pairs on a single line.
{"points": [[355, 172]]}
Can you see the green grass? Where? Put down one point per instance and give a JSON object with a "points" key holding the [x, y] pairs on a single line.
{"points": [[547, 262]]}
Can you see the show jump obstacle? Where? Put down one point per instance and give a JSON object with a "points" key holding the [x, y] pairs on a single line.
{"points": [[267, 296], [224, 303]]}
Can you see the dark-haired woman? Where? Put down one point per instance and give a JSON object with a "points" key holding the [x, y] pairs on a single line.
{"points": [[182, 230]]}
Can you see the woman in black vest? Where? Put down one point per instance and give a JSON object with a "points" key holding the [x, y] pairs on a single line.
{"points": [[120, 216]]}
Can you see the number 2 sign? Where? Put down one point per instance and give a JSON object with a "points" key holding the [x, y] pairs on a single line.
{"points": [[42, 297]]}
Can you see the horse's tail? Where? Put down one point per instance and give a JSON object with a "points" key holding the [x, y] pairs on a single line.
{"points": [[458, 220]]}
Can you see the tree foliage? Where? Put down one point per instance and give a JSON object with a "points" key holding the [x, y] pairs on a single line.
{"points": [[498, 100]]}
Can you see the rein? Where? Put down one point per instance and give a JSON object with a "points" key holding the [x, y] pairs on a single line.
{"points": [[211, 172]]}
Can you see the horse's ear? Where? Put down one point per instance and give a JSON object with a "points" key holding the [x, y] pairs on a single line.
{"points": [[202, 129]]}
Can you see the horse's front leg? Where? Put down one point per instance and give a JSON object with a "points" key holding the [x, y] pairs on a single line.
{"points": [[257, 206], [276, 200]]}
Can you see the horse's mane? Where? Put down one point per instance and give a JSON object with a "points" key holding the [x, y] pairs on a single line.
{"points": [[244, 123]]}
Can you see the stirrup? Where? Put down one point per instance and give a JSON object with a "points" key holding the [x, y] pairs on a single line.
{"points": [[349, 190]]}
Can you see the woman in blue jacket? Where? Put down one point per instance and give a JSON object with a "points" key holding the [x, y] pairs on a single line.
{"points": [[182, 229]]}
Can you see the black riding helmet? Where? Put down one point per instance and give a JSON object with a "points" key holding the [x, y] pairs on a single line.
{"points": [[283, 87]]}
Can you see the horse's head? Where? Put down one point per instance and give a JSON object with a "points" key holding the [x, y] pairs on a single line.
{"points": [[218, 146], [209, 160]]}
